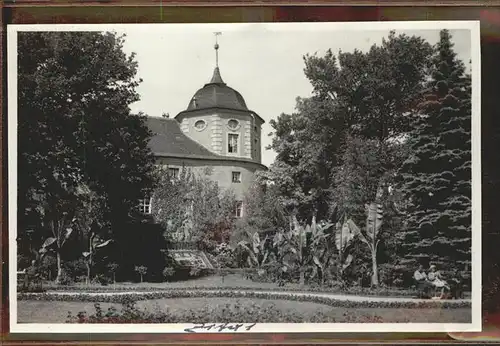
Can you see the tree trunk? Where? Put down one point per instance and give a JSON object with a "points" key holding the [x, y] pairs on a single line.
{"points": [[302, 278], [141, 277], [59, 268], [88, 272], [374, 269]]}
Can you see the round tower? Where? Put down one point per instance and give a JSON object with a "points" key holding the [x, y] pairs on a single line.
{"points": [[218, 118]]}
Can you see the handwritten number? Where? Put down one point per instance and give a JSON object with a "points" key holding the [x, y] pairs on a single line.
{"points": [[219, 328], [250, 326]]}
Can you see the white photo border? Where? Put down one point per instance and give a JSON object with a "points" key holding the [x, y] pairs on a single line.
{"points": [[474, 326]]}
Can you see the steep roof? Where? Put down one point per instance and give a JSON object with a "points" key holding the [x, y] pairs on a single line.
{"points": [[168, 138]]}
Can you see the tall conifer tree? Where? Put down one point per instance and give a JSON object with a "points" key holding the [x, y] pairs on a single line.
{"points": [[436, 177]]}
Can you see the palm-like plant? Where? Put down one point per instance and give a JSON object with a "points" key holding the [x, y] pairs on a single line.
{"points": [[304, 248], [95, 244], [374, 218], [55, 244], [257, 251], [344, 235]]}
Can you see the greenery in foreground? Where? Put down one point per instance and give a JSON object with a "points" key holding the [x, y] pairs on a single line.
{"points": [[254, 310], [228, 313]]}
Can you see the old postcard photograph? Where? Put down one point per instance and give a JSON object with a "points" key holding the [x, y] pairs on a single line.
{"points": [[247, 178]]}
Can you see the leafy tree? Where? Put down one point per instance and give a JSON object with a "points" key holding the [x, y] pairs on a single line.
{"points": [[264, 212], [112, 268], [193, 208], [364, 94], [436, 178], [75, 128], [141, 270], [368, 167], [305, 155]]}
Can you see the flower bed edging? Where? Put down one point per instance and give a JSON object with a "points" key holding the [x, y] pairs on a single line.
{"points": [[365, 292], [304, 297]]}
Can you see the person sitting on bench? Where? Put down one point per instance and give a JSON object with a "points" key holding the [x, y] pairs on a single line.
{"points": [[435, 279], [421, 278]]}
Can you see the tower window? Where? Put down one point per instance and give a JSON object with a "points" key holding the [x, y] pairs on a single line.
{"points": [[200, 125], [238, 210], [233, 124], [232, 143], [145, 205], [236, 177]]}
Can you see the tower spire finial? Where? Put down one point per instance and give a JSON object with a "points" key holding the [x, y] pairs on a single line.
{"points": [[216, 47]]}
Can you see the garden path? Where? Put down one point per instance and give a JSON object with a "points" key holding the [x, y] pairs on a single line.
{"points": [[344, 297]]}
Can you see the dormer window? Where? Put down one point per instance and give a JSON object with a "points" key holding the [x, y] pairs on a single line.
{"points": [[195, 104], [233, 124]]}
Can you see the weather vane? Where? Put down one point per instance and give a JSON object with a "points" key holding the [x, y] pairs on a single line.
{"points": [[217, 48]]}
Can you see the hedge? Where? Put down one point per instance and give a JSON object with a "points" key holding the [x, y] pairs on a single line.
{"points": [[184, 293]]}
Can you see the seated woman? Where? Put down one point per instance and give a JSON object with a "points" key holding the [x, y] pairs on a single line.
{"points": [[421, 279], [436, 280]]}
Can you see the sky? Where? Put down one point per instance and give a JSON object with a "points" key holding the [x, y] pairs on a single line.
{"points": [[264, 62]]}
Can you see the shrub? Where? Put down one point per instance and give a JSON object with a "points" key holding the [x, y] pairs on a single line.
{"points": [[65, 279], [224, 256], [228, 313], [101, 279], [168, 273], [48, 267], [23, 262], [75, 268]]}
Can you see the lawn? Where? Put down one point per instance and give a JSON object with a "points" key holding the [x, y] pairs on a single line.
{"points": [[51, 312]]}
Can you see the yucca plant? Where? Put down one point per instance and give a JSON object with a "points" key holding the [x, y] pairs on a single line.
{"points": [[374, 219]]}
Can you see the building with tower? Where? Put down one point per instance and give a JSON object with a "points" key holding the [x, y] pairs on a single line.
{"points": [[217, 133]]}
